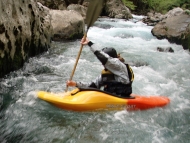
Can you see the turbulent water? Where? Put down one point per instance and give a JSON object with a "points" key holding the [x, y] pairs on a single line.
{"points": [[26, 119]]}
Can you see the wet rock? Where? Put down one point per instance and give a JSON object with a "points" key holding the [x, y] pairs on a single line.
{"points": [[67, 25], [175, 28], [168, 49], [174, 12], [116, 9], [25, 31], [137, 63], [111, 8], [78, 8], [153, 17]]}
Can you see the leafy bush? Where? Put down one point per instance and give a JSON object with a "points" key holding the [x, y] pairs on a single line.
{"points": [[161, 6], [129, 4], [187, 12]]}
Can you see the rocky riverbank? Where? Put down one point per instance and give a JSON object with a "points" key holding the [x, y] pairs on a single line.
{"points": [[174, 26]]}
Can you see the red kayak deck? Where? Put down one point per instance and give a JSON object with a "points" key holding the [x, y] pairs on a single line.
{"points": [[146, 102]]}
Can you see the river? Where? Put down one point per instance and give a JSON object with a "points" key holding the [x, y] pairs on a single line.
{"points": [[26, 119]]}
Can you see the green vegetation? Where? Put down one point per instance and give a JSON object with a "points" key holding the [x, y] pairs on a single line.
{"points": [[129, 4], [164, 6], [161, 6], [187, 12]]}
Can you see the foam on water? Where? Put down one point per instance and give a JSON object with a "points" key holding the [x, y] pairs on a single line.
{"points": [[25, 118]]}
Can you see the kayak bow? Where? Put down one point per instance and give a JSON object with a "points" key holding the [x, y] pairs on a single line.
{"points": [[88, 100]]}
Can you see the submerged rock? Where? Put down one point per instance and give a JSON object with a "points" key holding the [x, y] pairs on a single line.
{"points": [[168, 49]]}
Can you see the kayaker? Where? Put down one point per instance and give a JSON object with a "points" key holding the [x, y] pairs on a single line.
{"points": [[116, 78]]}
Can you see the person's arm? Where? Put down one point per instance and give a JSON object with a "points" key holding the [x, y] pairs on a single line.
{"points": [[112, 64], [95, 83], [99, 54]]}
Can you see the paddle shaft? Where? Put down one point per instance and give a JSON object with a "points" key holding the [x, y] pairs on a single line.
{"points": [[77, 59], [76, 62], [94, 10]]}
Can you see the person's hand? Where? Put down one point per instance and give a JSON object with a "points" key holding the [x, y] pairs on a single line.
{"points": [[120, 58], [84, 41], [71, 83]]}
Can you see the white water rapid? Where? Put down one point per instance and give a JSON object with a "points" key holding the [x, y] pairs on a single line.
{"points": [[26, 119]]}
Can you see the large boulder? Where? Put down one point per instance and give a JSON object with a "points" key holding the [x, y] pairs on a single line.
{"points": [[111, 8], [67, 25], [78, 8], [116, 9], [25, 31], [153, 17], [175, 27]]}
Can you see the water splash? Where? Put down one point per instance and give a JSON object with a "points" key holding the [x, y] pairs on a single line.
{"points": [[25, 118]]}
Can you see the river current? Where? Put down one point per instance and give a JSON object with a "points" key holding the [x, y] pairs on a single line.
{"points": [[26, 119]]}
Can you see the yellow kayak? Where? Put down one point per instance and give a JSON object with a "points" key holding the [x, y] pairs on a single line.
{"points": [[94, 99]]}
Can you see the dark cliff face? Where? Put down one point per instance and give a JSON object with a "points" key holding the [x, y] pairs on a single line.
{"points": [[25, 31]]}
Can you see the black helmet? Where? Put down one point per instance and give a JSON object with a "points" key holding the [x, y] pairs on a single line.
{"points": [[110, 51]]}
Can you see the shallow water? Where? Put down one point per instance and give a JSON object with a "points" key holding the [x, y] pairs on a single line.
{"points": [[25, 118]]}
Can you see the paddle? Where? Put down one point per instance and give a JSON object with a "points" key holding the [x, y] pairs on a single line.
{"points": [[94, 10]]}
